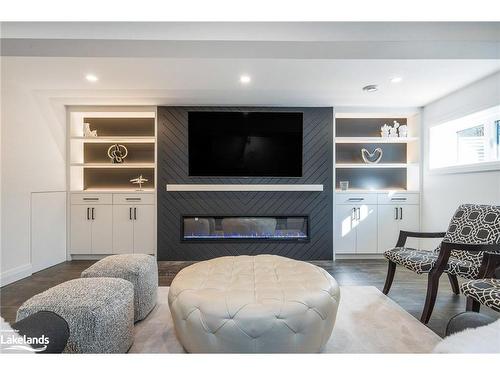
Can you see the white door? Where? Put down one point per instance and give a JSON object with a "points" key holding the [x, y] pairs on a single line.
{"points": [[366, 229], [48, 229], [345, 231], [388, 223], [144, 229], [81, 230], [102, 229], [123, 229], [409, 221]]}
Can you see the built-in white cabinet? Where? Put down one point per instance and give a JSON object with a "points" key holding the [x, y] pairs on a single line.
{"points": [[345, 230], [134, 228], [81, 230], [366, 228], [123, 229], [91, 229], [355, 225], [112, 223], [369, 223], [394, 218]]}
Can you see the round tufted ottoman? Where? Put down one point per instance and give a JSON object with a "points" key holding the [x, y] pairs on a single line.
{"points": [[253, 304]]}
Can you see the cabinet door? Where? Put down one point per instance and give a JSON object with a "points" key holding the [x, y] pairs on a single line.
{"points": [[80, 235], [409, 219], [144, 229], [345, 230], [366, 229], [123, 229], [102, 229], [388, 224]]}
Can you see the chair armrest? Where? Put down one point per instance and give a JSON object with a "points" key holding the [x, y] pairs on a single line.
{"points": [[470, 247], [484, 268], [491, 261], [403, 235]]}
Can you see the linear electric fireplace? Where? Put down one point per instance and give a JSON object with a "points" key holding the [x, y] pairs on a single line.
{"points": [[245, 228]]}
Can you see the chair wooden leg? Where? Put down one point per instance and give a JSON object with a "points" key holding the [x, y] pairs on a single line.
{"points": [[454, 284], [430, 298], [472, 305], [390, 276]]}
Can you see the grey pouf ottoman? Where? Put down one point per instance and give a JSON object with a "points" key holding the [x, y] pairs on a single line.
{"points": [[140, 269], [99, 312]]}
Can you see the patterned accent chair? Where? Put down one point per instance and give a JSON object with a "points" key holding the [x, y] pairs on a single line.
{"points": [[473, 230], [485, 290]]}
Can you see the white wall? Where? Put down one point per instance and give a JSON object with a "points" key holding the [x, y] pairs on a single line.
{"points": [[33, 147], [442, 193]]}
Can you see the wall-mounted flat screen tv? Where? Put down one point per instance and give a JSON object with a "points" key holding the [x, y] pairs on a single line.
{"points": [[245, 144]]}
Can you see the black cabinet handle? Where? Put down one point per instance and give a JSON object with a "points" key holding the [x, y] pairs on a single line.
{"points": [[130, 213], [93, 213], [396, 216], [359, 213], [400, 213], [88, 213], [135, 213], [355, 199]]}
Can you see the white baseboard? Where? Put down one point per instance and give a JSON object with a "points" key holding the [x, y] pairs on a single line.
{"points": [[15, 274], [88, 257]]}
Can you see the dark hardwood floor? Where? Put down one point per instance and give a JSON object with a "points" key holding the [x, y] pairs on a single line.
{"points": [[408, 289]]}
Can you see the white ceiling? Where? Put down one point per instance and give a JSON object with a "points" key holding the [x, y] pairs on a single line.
{"points": [[309, 64], [216, 81]]}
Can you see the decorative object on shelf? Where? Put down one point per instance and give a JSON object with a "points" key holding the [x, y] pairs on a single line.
{"points": [[87, 132], [384, 131], [344, 185], [393, 132], [372, 157], [403, 131], [117, 153], [139, 180]]}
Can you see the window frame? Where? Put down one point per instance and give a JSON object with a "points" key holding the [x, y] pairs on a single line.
{"points": [[486, 166]]}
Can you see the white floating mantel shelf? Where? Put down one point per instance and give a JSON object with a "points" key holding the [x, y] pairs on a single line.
{"points": [[243, 187]]}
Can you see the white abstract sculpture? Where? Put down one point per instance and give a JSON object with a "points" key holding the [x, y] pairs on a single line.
{"points": [[384, 130], [403, 131], [393, 132], [371, 157], [87, 132]]}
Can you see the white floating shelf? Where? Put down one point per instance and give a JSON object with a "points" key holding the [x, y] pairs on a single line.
{"points": [[115, 139], [381, 165], [375, 139], [111, 165], [243, 187]]}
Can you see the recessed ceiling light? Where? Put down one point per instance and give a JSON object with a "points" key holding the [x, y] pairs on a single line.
{"points": [[396, 79], [91, 78], [245, 79], [370, 88]]}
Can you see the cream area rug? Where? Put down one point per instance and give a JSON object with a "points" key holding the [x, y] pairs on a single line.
{"points": [[367, 322]]}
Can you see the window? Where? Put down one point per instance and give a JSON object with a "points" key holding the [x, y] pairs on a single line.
{"points": [[467, 141]]}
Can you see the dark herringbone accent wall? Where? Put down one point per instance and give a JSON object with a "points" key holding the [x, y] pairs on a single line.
{"points": [[173, 169]]}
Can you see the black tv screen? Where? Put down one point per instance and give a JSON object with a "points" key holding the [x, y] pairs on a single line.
{"points": [[245, 144]]}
